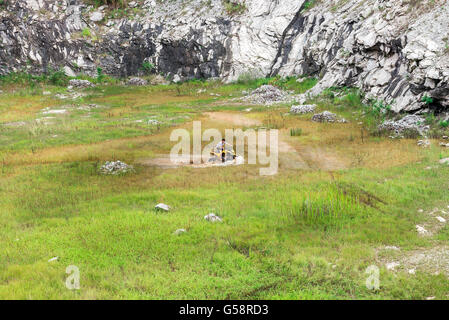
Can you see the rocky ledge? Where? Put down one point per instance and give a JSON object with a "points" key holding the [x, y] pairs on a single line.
{"points": [[396, 51]]}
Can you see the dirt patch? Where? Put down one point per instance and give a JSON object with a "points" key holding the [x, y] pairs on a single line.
{"points": [[433, 260], [164, 161], [233, 118]]}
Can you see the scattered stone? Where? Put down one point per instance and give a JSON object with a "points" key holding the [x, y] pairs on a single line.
{"points": [[248, 109], [267, 94], [412, 271], [180, 231], [410, 122], [176, 78], [445, 137], [15, 124], [55, 111], [46, 93], [442, 144], [213, 218], [53, 259], [153, 122], [115, 167], [441, 219], [137, 82], [420, 211], [392, 265], [423, 143], [325, 116], [162, 207], [444, 161], [302, 109], [158, 79], [77, 83], [430, 298], [421, 230], [394, 248]]}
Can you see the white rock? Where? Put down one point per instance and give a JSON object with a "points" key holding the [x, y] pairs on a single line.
{"points": [[421, 230], [394, 248], [392, 265], [53, 259], [162, 206], [213, 218], [180, 231], [96, 16], [68, 71], [444, 161], [441, 219], [412, 271]]}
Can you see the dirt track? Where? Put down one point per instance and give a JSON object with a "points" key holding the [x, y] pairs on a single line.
{"points": [[289, 156]]}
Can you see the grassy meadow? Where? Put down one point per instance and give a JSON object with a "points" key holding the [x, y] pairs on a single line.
{"points": [[309, 232]]}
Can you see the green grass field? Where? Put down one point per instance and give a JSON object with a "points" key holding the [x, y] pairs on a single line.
{"points": [[305, 233]]}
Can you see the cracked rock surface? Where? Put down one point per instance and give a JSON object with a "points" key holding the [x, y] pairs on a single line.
{"points": [[395, 51]]}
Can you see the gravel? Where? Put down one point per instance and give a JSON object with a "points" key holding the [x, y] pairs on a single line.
{"points": [[115, 167], [327, 116], [137, 82], [410, 122], [76, 83], [302, 109]]}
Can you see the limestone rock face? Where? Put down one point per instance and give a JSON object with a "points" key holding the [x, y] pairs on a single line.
{"points": [[396, 51]]}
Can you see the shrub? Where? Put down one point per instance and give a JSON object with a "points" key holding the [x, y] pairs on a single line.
{"points": [[444, 123], [100, 75], [86, 33], [427, 100], [58, 78], [147, 67], [234, 7]]}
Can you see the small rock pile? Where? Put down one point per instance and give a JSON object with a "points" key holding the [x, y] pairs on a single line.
{"points": [[424, 143], [411, 122], [77, 83], [302, 109], [327, 116], [137, 82], [115, 167], [267, 94]]}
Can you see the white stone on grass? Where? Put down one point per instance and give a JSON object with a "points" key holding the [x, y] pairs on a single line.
{"points": [[421, 230], [441, 219], [180, 231], [162, 207], [392, 265], [213, 218]]}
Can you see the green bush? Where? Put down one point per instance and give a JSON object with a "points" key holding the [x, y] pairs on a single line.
{"points": [[233, 7], [427, 100], [147, 67], [100, 75], [444, 123]]}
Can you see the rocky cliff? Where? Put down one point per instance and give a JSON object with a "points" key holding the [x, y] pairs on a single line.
{"points": [[396, 51]]}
